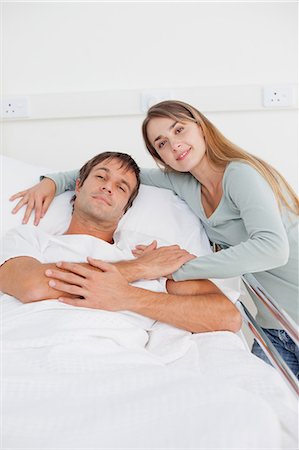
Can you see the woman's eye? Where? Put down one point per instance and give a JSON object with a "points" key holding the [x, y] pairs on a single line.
{"points": [[161, 144], [179, 130]]}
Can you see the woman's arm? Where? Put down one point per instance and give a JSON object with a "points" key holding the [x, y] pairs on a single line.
{"points": [[158, 178], [39, 197], [64, 181], [267, 245]]}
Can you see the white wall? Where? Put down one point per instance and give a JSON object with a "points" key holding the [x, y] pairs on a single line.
{"points": [[74, 48]]}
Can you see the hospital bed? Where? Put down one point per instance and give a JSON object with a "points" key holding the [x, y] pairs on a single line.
{"points": [[183, 391]]}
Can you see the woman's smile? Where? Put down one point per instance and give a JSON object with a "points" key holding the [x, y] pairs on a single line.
{"points": [[183, 155]]}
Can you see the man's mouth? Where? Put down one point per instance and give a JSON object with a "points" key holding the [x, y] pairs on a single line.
{"points": [[102, 199], [183, 154]]}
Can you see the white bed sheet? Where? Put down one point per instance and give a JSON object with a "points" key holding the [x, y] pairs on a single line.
{"points": [[106, 386]]}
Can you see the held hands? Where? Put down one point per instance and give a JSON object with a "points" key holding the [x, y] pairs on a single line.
{"points": [[105, 286], [37, 198], [158, 262]]}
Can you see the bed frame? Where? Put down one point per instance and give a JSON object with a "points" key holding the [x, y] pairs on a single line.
{"points": [[253, 286]]}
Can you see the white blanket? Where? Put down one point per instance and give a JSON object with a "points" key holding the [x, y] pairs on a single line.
{"points": [[83, 378], [78, 378]]}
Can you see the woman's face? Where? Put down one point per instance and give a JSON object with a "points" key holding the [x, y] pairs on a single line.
{"points": [[179, 144]]}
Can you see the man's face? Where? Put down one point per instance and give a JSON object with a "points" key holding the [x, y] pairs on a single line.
{"points": [[105, 192]]}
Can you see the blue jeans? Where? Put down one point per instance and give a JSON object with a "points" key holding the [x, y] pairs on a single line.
{"points": [[285, 346]]}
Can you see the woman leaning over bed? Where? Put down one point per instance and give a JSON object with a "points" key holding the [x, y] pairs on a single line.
{"points": [[246, 206]]}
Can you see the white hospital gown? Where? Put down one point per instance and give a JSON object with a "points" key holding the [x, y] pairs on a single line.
{"points": [[33, 242]]}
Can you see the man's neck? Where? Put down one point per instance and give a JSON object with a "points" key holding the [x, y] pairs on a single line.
{"points": [[104, 231]]}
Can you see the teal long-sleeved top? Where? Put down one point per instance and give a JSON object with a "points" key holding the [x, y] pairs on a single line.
{"points": [[256, 237]]}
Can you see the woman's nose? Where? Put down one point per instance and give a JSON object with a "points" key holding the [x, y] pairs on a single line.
{"points": [[176, 145]]}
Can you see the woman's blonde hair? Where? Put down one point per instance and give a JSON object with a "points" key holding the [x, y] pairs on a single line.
{"points": [[219, 150]]}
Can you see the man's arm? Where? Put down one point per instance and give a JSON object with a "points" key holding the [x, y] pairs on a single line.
{"points": [[24, 278], [204, 308], [209, 307], [195, 313], [192, 287]]}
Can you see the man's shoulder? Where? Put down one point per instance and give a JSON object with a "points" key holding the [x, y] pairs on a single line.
{"points": [[24, 240], [25, 231]]}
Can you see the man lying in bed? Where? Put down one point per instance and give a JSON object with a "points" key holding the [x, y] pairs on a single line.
{"points": [[106, 188]]}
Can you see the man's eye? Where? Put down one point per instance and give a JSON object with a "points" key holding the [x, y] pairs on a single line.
{"points": [[100, 176], [121, 188]]}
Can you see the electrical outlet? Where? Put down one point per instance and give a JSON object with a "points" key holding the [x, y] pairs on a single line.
{"points": [[150, 98], [278, 96], [14, 107]]}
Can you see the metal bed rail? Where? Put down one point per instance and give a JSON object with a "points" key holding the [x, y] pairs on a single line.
{"points": [[279, 314], [282, 317]]}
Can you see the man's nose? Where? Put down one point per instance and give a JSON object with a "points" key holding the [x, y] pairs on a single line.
{"points": [[107, 187]]}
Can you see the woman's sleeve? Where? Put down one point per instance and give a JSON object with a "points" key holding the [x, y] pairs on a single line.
{"points": [[65, 181], [156, 177], [267, 247]]}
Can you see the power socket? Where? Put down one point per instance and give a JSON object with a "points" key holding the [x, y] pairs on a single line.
{"points": [[14, 107], [278, 96]]}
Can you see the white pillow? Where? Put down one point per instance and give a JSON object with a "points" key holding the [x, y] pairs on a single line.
{"points": [[156, 212]]}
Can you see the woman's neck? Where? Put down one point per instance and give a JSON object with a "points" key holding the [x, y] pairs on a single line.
{"points": [[209, 175]]}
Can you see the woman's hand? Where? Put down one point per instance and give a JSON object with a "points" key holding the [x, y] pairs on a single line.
{"points": [[37, 198], [152, 262], [161, 262], [140, 250]]}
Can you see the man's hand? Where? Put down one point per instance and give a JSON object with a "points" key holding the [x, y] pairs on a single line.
{"points": [[38, 198], [104, 288]]}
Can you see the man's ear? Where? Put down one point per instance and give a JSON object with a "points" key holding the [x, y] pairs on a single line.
{"points": [[77, 189]]}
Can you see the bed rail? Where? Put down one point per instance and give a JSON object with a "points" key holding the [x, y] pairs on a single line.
{"points": [[282, 317], [279, 314]]}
